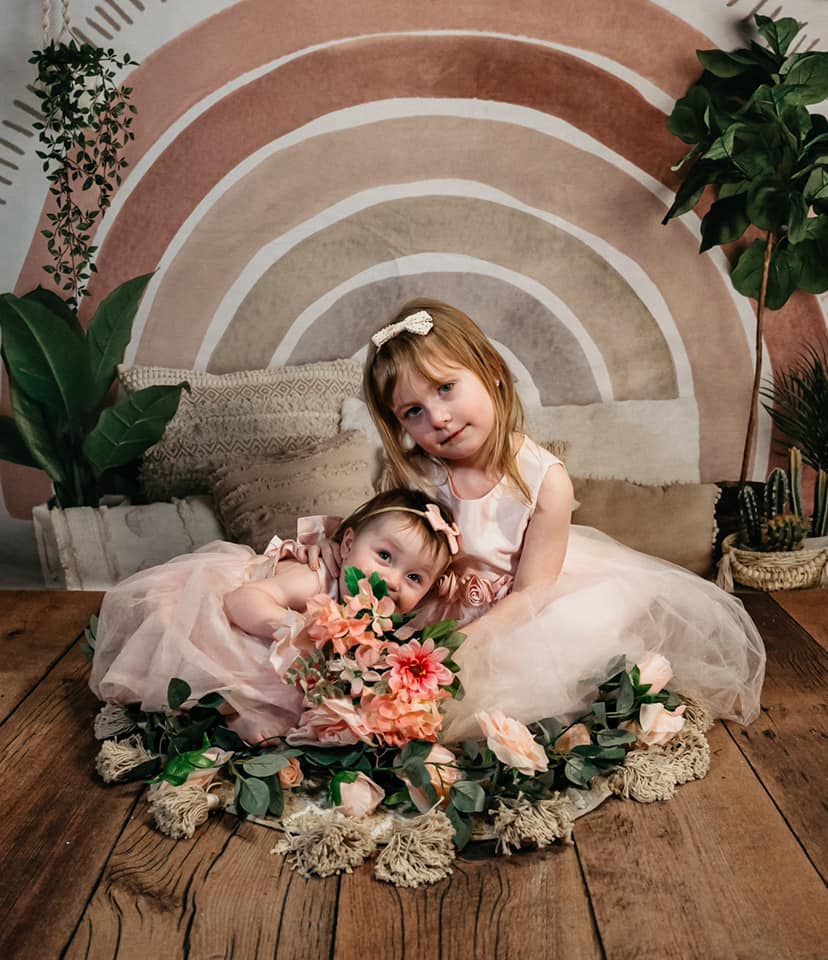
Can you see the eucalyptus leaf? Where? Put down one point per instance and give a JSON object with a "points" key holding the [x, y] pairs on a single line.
{"points": [[276, 802], [265, 765], [462, 826], [626, 695], [254, 796], [178, 692], [415, 750], [127, 429], [468, 796]]}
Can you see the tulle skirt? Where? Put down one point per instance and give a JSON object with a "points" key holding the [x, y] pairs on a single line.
{"points": [[608, 601], [169, 621]]}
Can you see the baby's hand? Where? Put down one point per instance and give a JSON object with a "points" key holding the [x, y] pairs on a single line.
{"points": [[328, 551]]}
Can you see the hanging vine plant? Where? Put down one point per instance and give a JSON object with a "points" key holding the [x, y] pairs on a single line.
{"points": [[86, 126]]}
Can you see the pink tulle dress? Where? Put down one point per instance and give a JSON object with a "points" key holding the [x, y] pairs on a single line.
{"points": [[608, 600], [169, 621]]}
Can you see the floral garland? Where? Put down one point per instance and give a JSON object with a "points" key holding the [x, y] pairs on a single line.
{"points": [[367, 743]]}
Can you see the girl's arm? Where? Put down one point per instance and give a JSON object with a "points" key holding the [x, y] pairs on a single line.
{"points": [[544, 548], [259, 607]]}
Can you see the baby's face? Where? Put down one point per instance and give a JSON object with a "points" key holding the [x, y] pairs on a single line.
{"points": [[398, 552]]}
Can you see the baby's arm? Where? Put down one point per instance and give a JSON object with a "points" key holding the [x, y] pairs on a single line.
{"points": [[259, 607]]}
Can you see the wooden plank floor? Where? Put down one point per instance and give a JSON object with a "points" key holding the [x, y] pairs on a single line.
{"points": [[734, 867]]}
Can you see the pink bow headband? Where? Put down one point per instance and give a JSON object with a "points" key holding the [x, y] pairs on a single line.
{"points": [[435, 521]]}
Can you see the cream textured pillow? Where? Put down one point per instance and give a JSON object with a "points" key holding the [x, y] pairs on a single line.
{"points": [[239, 416], [675, 522], [258, 499]]}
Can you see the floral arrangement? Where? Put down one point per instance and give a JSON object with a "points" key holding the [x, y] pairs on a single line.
{"points": [[367, 743]]}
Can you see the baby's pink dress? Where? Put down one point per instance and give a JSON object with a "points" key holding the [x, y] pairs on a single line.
{"points": [[169, 621], [608, 600]]}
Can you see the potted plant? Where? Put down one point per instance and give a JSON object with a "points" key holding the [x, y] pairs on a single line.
{"points": [[59, 374], [765, 156]]}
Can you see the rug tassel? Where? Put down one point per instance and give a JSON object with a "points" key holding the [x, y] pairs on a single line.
{"points": [[724, 578], [178, 811], [697, 715], [646, 776], [689, 755], [322, 844], [111, 721], [533, 824], [417, 852], [116, 758]]}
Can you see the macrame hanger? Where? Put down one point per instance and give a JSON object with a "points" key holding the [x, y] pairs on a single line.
{"points": [[46, 22]]}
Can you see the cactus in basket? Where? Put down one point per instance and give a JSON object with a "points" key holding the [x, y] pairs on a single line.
{"points": [[773, 527]]}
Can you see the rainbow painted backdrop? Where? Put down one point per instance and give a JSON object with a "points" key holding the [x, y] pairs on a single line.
{"points": [[300, 168]]}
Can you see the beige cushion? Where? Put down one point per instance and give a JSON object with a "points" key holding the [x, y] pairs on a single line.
{"points": [[258, 499], [675, 522], [227, 418]]}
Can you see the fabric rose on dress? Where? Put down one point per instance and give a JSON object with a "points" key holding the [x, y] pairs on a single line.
{"points": [[656, 725], [396, 720], [360, 797], [291, 775], [576, 736], [417, 669], [334, 721], [475, 591], [655, 670], [443, 771], [512, 743]]}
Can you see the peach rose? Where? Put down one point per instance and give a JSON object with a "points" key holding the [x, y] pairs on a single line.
{"points": [[396, 719], [655, 670], [512, 743], [576, 736], [656, 724], [291, 776], [361, 797], [441, 766]]}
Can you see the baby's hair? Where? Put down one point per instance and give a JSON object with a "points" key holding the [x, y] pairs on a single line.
{"points": [[455, 340], [405, 501]]}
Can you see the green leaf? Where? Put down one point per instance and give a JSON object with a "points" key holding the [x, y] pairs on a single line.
{"points": [[58, 306], [415, 750], [352, 577], [724, 222], [12, 445], [626, 695], [37, 432], [468, 796], [228, 739], [612, 738], [722, 64], [687, 121], [816, 186], [276, 803], [462, 826], [783, 275], [471, 749], [813, 274], [579, 770], [768, 203], [778, 33], [45, 357], [266, 764], [109, 332], [378, 585], [797, 225], [810, 73], [125, 431], [417, 772], [145, 770], [396, 798], [178, 692], [254, 796], [687, 196]]}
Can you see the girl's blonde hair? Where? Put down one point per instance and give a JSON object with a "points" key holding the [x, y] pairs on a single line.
{"points": [[455, 340]]}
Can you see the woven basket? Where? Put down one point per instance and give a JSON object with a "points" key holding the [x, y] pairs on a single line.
{"points": [[774, 570]]}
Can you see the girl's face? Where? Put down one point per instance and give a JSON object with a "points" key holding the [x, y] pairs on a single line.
{"points": [[396, 550], [452, 420]]}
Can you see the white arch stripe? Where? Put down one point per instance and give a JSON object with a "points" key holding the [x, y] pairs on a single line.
{"points": [[632, 272], [451, 263]]}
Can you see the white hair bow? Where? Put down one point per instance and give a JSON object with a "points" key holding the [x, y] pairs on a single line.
{"points": [[419, 322]]}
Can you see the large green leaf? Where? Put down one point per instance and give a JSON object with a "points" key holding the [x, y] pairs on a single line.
{"points": [[813, 274], [688, 119], [722, 64], [816, 186], [45, 357], [688, 194], [12, 445], [58, 306], [782, 277], [109, 332], [778, 33], [768, 203], [810, 72], [127, 429], [724, 222], [797, 218], [37, 432]]}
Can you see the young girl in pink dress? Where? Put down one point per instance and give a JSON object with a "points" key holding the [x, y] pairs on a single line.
{"points": [[547, 605], [223, 620]]}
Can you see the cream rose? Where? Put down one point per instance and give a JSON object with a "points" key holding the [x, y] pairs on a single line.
{"points": [[442, 777], [512, 743], [656, 724], [576, 736], [361, 797], [655, 670]]}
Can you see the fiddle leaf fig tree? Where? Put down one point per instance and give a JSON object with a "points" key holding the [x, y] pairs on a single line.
{"points": [[765, 156]]}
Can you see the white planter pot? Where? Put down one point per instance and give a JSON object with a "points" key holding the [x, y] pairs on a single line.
{"points": [[92, 548]]}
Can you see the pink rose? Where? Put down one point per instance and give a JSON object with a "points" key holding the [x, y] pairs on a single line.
{"points": [[360, 798], [512, 743], [656, 724], [655, 670], [475, 591], [443, 770], [576, 736], [332, 721], [291, 775]]}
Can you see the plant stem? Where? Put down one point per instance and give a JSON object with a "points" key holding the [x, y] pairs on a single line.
{"points": [[757, 369]]}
